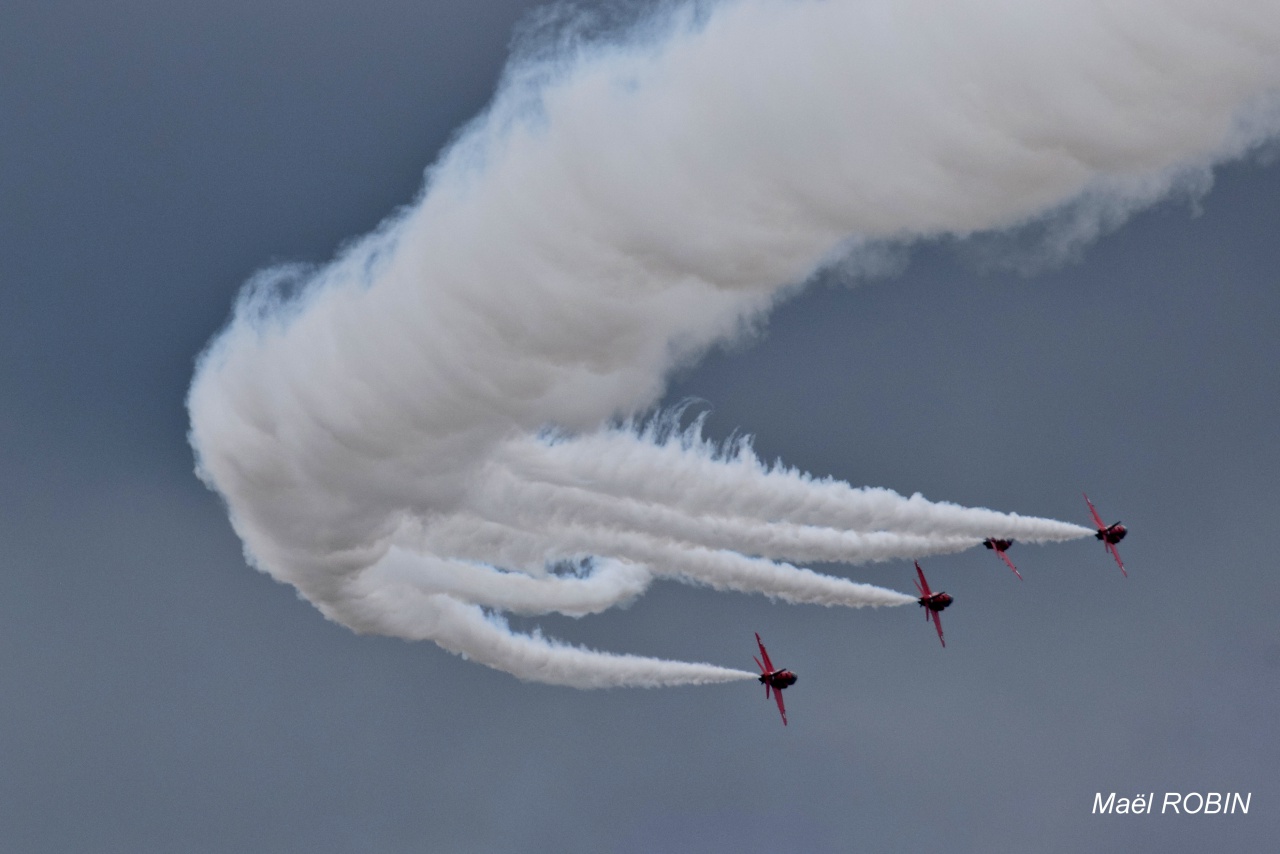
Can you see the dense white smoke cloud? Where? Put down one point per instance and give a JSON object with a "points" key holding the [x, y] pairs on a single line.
{"points": [[420, 432]]}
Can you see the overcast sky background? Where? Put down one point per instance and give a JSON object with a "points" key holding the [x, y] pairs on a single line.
{"points": [[157, 694]]}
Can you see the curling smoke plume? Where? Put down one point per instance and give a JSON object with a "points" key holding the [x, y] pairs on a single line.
{"points": [[426, 431]]}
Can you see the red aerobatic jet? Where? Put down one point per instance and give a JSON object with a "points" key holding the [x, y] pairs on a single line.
{"points": [[1109, 534], [1000, 547], [774, 680], [932, 602]]}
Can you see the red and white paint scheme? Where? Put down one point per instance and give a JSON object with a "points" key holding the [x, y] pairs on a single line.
{"points": [[933, 603], [1109, 534], [774, 679]]}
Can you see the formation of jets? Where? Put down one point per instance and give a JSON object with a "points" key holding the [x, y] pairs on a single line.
{"points": [[776, 679]]}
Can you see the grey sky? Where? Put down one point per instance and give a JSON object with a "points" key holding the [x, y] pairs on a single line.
{"points": [[160, 695]]}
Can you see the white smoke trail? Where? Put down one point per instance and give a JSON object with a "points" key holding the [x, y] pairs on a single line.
{"points": [[717, 568], [678, 473], [417, 433], [611, 583], [466, 630]]}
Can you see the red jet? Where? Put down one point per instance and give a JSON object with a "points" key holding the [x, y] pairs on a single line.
{"points": [[1000, 547], [932, 602], [774, 680], [1109, 534]]}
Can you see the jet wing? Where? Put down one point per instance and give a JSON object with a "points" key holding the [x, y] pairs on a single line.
{"points": [[768, 665], [1004, 557], [1096, 518], [1115, 553], [922, 585], [937, 623], [782, 709]]}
